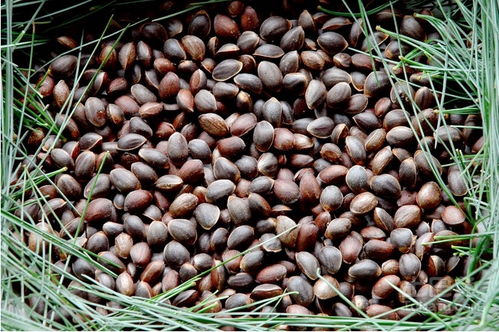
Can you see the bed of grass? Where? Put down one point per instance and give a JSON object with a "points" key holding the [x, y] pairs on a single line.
{"points": [[464, 67]]}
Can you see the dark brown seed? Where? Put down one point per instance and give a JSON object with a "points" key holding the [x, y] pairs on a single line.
{"points": [[249, 19], [312, 60], [157, 234], [183, 231], [376, 83], [183, 205], [205, 102], [98, 242], [338, 228], [456, 183], [375, 140], [268, 52], [169, 183], [382, 311], [249, 82], [399, 136], [127, 55], [224, 90], [325, 289], [306, 21], [239, 209], [131, 142], [331, 198], [363, 203], [287, 230], [142, 94], [315, 94], [408, 216], [412, 28], [364, 269], [213, 124], [177, 149], [293, 39], [169, 86], [137, 200], [123, 244], [429, 196], [355, 149], [140, 254], [125, 284], [219, 189], [385, 185], [452, 215], [330, 258], [401, 92], [194, 47], [154, 157], [410, 266], [270, 75], [231, 147], [303, 291], [271, 274], [174, 50], [286, 191], [226, 69], [338, 95], [175, 254], [263, 136], [64, 66], [248, 41], [350, 249], [283, 139], [336, 23], [265, 291], [332, 42], [199, 26], [185, 100], [321, 127], [333, 174], [124, 180], [272, 112], [402, 239], [308, 264], [225, 27], [356, 104], [240, 237], [69, 186], [274, 28], [357, 179], [98, 186], [207, 215], [100, 209], [295, 82]]}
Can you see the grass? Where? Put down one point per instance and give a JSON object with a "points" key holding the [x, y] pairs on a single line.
{"points": [[464, 80]]}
